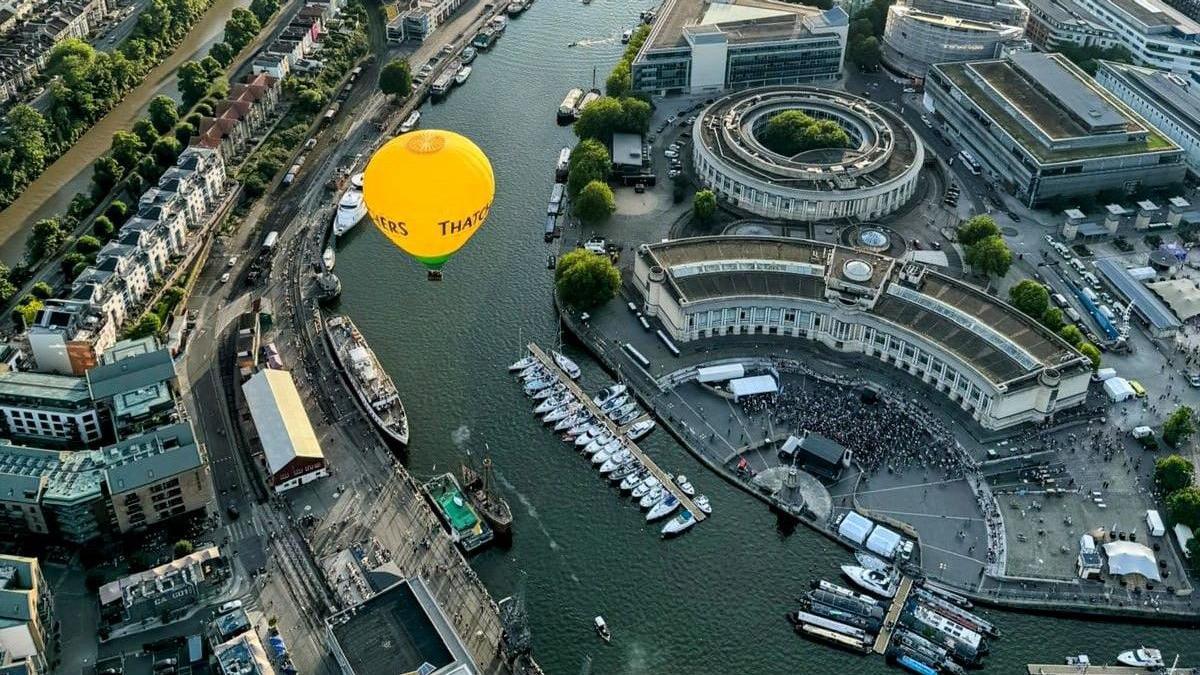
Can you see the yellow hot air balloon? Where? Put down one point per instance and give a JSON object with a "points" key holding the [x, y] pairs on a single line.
{"points": [[429, 191]]}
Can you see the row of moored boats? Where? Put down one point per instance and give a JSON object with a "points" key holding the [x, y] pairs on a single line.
{"points": [[607, 439], [935, 631]]}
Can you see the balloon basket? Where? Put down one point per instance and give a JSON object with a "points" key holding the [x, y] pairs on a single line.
{"points": [[434, 275]]}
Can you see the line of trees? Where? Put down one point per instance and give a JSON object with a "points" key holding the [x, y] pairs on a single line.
{"points": [[1033, 299], [620, 82], [86, 84], [864, 35], [1176, 477]]}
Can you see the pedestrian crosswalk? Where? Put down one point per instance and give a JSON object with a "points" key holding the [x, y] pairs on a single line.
{"points": [[246, 526]]}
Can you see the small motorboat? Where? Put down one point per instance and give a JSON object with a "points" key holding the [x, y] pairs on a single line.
{"points": [[621, 472], [663, 508], [634, 479], [522, 364], [679, 523], [531, 370], [614, 403], [550, 403], [613, 463], [605, 453], [328, 258], [562, 411], [598, 443], [647, 485], [534, 386], [585, 422], [652, 497], [589, 435], [685, 485], [608, 393], [629, 417], [702, 503], [1142, 657], [602, 630], [640, 429], [871, 562], [556, 390], [1080, 660], [568, 366], [883, 585], [568, 422], [622, 411]]}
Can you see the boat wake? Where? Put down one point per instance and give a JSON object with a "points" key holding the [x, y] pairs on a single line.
{"points": [[594, 42], [529, 508], [461, 436]]}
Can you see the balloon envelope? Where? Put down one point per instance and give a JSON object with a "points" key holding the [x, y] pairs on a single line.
{"points": [[429, 191]]}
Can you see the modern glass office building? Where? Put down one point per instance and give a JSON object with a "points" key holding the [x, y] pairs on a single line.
{"points": [[698, 46]]}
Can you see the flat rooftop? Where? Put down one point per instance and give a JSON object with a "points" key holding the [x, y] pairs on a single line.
{"points": [[63, 390], [1043, 112], [1171, 91], [1052, 96], [993, 337], [740, 20], [1156, 14], [395, 631]]}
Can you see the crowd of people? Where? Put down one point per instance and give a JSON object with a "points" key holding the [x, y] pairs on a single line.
{"points": [[881, 432]]}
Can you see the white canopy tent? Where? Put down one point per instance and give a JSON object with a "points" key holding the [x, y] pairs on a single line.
{"points": [[1118, 389], [855, 527], [1127, 557], [753, 385], [884, 542], [727, 371]]}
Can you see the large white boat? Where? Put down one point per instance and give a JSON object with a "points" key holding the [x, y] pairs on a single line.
{"points": [[679, 523], [1142, 657], [462, 75], [880, 584], [351, 207], [372, 386]]}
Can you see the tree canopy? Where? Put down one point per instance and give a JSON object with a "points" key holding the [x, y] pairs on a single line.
{"points": [[1030, 297], [396, 78], [977, 228], [1092, 352], [990, 256], [585, 280], [1179, 426], [1174, 472], [589, 162], [791, 132], [1184, 506], [704, 206], [607, 115], [594, 203], [163, 113]]}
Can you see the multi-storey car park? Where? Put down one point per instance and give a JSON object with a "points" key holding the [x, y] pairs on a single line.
{"points": [[999, 365], [698, 46], [875, 176], [1042, 128]]}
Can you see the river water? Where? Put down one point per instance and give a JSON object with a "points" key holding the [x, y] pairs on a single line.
{"points": [[712, 601], [50, 194]]}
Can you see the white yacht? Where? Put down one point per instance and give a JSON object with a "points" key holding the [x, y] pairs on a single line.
{"points": [[685, 485], [640, 429], [608, 394], [880, 584], [569, 367], [703, 504], [410, 122], [462, 75], [1142, 657], [328, 258], [664, 508], [351, 207], [679, 523], [522, 364]]}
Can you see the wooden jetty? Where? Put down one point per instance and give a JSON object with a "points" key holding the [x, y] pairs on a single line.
{"points": [[1097, 669], [584, 398], [893, 615]]}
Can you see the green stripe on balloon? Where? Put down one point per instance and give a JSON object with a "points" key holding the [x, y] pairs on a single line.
{"points": [[433, 262]]}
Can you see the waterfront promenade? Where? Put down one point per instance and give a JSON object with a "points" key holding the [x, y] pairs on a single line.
{"points": [[611, 326]]}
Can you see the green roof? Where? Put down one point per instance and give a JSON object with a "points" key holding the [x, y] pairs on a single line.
{"points": [[44, 388], [957, 73]]}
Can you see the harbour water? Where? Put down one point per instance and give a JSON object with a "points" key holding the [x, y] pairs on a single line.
{"points": [[712, 601], [52, 192]]}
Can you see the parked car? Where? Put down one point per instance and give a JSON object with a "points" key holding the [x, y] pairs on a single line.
{"points": [[225, 278]]}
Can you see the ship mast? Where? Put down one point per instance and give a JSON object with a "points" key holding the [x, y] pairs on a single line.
{"points": [[487, 479]]}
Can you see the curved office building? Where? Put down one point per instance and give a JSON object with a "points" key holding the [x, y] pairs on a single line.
{"points": [[999, 365], [870, 179], [914, 39]]}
